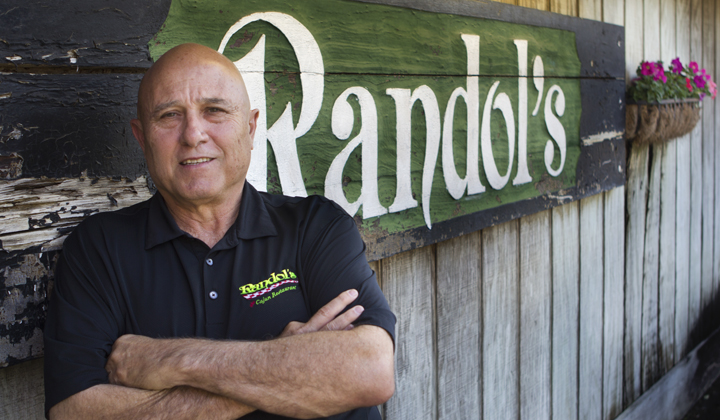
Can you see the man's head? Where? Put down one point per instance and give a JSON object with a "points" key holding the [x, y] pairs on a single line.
{"points": [[195, 126]]}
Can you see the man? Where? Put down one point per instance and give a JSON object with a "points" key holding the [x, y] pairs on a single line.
{"points": [[209, 256]]}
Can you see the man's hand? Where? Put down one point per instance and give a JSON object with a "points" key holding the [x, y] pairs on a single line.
{"points": [[328, 318], [136, 361]]}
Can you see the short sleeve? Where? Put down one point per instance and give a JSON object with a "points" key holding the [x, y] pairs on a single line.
{"points": [[81, 324], [334, 261]]}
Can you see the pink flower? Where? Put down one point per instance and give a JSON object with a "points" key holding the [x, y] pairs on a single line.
{"points": [[677, 66], [688, 84], [704, 74], [713, 88], [699, 81], [647, 68], [694, 67], [659, 74]]}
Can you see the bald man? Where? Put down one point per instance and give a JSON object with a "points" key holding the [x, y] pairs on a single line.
{"points": [[212, 300]]}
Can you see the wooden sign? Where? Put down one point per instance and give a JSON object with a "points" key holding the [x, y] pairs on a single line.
{"points": [[422, 125]]}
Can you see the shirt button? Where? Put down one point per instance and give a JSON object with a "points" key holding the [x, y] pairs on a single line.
{"points": [[209, 261], [213, 295]]}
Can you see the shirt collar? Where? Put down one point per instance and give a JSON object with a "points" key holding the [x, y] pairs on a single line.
{"points": [[253, 221]]}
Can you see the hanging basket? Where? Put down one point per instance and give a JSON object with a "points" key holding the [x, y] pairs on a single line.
{"points": [[661, 121]]}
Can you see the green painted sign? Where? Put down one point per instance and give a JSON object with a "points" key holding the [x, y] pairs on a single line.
{"points": [[406, 118]]}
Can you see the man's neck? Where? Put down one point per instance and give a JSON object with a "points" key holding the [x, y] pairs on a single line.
{"points": [[206, 222]]}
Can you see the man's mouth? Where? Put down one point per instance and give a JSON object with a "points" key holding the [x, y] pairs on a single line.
{"points": [[195, 161]]}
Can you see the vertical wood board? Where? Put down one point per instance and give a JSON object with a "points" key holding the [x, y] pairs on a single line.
{"points": [[458, 327], [635, 251], [408, 285], [613, 305], [501, 323], [682, 213], [565, 275], [535, 322], [650, 273], [591, 308]]}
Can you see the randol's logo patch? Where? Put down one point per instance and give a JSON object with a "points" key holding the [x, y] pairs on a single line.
{"points": [[266, 289]]}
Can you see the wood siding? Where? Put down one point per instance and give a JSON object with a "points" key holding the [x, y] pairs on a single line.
{"points": [[572, 313]]}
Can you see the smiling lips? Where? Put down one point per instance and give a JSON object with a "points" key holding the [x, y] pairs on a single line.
{"points": [[195, 161]]}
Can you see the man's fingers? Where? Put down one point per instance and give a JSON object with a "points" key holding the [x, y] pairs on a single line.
{"points": [[330, 311], [344, 321]]}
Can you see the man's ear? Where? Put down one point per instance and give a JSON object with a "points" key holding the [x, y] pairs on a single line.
{"points": [[252, 120], [138, 132]]}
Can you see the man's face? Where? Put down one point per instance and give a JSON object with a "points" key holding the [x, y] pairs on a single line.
{"points": [[196, 131]]}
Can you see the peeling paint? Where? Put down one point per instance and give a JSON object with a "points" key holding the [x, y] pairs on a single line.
{"points": [[13, 58], [601, 137]]}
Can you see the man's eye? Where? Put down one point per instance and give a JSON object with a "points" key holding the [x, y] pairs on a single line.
{"points": [[213, 110], [168, 115]]}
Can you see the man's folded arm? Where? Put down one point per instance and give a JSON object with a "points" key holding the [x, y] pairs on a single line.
{"points": [[315, 372], [114, 402]]}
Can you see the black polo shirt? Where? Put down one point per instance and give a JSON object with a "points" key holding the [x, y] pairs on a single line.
{"points": [[133, 271]]}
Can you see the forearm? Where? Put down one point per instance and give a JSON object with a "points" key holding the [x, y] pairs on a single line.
{"points": [[115, 402], [304, 376]]}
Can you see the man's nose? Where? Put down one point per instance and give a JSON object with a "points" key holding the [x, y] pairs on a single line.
{"points": [[194, 131]]}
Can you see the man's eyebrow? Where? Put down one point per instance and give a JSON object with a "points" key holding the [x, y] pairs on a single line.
{"points": [[160, 107]]}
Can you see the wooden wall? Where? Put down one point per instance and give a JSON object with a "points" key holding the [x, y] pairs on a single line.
{"points": [[571, 313], [574, 312]]}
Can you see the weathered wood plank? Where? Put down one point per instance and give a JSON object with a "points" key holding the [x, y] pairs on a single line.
{"points": [[650, 291], [42, 212], [22, 392], [668, 203], [501, 323], [682, 213], [677, 391], [564, 7], [696, 191], [634, 257], [80, 33], [716, 245], [591, 308], [408, 280], [590, 9], [565, 273], [635, 229], [67, 125], [666, 274], [535, 4], [535, 321], [23, 302], [613, 306], [614, 12], [708, 165], [458, 327]]}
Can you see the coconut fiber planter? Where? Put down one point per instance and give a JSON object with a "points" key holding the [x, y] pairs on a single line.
{"points": [[661, 121]]}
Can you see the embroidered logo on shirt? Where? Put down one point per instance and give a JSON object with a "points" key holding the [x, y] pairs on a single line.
{"points": [[253, 291]]}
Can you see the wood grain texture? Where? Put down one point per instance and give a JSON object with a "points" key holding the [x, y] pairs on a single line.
{"points": [[501, 323], [614, 12], [636, 202], [42, 212], [666, 274], [668, 204], [674, 395], [565, 276], [590, 366], [708, 165], [564, 7], [458, 327], [81, 32], [696, 191], [22, 392], [650, 292], [408, 280], [682, 212], [535, 318], [67, 125], [590, 9], [613, 305]]}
